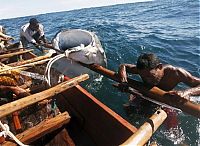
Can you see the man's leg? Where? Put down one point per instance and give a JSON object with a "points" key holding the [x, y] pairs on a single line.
{"points": [[24, 42]]}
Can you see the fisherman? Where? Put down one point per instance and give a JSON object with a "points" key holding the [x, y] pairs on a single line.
{"points": [[4, 39], [165, 77], [33, 33]]}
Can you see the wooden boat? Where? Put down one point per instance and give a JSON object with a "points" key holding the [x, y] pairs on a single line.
{"points": [[84, 120]]}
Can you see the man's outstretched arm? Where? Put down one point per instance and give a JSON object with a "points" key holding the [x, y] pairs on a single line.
{"points": [[191, 81], [124, 69]]}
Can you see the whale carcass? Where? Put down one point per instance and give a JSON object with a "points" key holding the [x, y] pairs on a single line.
{"points": [[79, 46]]}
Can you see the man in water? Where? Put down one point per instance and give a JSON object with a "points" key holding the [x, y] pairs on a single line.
{"points": [[165, 77], [33, 33]]}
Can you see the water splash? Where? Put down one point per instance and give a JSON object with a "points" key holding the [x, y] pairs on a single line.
{"points": [[175, 135]]}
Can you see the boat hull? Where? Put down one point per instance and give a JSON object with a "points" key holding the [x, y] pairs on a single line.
{"points": [[96, 120], [91, 122]]}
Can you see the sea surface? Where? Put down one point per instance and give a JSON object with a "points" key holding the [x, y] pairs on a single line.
{"points": [[168, 28]]}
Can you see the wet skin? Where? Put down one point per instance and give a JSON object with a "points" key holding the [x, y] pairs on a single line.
{"points": [[166, 77]]}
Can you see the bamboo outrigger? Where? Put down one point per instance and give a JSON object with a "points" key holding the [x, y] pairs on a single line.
{"points": [[84, 120], [154, 93]]}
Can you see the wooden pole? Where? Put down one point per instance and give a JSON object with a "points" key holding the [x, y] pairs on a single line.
{"points": [[10, 50], [23, 67], [40, 130], [154, 93], [144, 133], [14, 54], [28, 61], [29, 100]]}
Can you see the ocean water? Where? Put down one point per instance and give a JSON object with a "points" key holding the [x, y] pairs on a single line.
{"points": [[168, 28]]}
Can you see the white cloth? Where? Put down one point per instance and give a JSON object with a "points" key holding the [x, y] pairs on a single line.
{"points": [[1, 28], [28, 33]]}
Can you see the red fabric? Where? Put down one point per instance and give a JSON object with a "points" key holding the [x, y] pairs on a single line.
{"points": [[172, 120]]}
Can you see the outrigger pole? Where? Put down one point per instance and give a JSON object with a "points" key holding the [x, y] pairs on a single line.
{"points": [[153, 93]]}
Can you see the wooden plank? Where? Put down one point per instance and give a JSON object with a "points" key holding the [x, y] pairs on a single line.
{"points": [[14, 54], [28, 61], [144, 133], [43, 128], [29, 100], [61, 139], [11, 50], [154, 93], [22, 67]]}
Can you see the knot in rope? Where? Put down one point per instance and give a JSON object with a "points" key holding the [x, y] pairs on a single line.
{"points": [[5, 128], [6, 132]]}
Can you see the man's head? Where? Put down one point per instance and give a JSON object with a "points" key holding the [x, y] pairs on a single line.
{"points": [[149, 68], [34, 24]]}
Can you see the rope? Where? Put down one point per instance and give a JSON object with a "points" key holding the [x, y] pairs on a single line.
{"points": [[57, 57], [6, 132], [66, 53], [48, 68]]}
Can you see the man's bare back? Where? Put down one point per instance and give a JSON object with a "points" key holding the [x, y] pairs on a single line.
{"points": [[174, 75], [165, 77]]}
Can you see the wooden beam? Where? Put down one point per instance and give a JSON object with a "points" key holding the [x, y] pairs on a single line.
{"points": [[40, 130], [154, 93], [22, 67], [62, 139], [14, 54], [144, 133], [11, 50], [29, 100], [28, 61]]}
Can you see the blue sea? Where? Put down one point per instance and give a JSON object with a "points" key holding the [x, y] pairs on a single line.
{"points": [[168, 28]]}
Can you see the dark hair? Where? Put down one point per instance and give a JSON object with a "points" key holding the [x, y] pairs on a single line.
{"points": [[33, 21], [147, 61]]}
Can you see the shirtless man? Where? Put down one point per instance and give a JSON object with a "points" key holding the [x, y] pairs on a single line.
{"points": [[165, 77]]}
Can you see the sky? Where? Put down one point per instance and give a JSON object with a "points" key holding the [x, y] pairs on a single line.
{"points": [[20, 8]]}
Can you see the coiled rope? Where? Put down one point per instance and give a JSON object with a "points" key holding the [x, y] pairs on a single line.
{"points": [[57, 57], [6, 132]]}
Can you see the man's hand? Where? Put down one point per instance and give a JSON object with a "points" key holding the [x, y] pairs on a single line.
{"points": [[38, 46], [6, 38], [180, 93], [11, 38]]}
